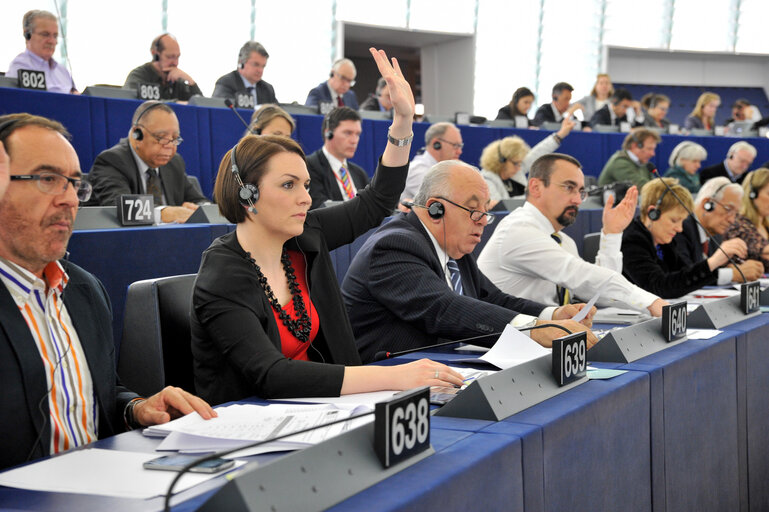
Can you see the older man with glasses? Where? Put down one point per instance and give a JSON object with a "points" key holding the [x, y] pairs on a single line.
{"points": [[146, 162], [529, 254], [41, 33], [335, 92], [415, 280]]}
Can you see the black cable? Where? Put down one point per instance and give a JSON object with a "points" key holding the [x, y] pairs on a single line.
{"points": [[542, 326]]}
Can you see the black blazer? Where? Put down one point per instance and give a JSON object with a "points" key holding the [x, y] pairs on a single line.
{"points": [[22, 375], [667, 278], [114, 172], [544, 114], [602, 116], [235, 339], [229, 85], [397, 296], [716, 170], [320, 94], [688, 245], [323, 183]]}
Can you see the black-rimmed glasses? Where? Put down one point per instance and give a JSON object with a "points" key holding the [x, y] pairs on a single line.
{"points": [[475, 215], [52, 183]]}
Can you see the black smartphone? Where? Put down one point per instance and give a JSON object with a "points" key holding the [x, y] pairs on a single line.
{"points": [[177, 462]]}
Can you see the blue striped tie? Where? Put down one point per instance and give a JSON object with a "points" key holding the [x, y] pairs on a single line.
{"points": [[456, 277]]}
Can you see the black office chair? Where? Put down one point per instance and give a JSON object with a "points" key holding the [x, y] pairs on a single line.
{"points": [[590, 246], [155, 350]]}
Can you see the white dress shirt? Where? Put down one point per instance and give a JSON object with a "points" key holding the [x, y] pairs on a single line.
{"points": [[417, 170], [335, 164], [522, 259]]}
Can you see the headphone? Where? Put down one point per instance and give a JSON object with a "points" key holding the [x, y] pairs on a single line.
{"points": [[710, 204], [157, 46], [678, 149], [436, 146], [137, 132], [502, 158], [27, 35], [248, 193], [655, 213], [436, 210], [752, 194]]}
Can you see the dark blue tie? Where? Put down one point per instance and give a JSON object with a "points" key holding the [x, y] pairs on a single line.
{"points": [[456, 277]]}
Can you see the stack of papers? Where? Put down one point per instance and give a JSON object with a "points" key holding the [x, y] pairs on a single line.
{"points": [[511, 349]]}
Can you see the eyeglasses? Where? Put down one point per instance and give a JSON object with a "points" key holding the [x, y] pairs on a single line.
{"points": [[729, 209], [163, 141], [457, 145], [343, 78], [52, 183], [475, 215], [570, 189]]}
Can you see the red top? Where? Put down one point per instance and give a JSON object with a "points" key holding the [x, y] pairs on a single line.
{"points": [[291, 347]]}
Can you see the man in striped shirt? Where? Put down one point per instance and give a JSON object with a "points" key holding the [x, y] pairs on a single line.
{"points": [[57, 368]]}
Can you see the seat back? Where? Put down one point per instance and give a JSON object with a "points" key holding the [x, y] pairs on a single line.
{"points": [[590, 245], [155, 350]]}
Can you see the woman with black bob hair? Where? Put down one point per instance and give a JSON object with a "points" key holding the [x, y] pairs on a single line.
{"points": [[268, 317]]}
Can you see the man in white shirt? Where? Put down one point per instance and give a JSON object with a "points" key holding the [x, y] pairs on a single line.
{"points": [[332, 176], [443, 141], [529, 255]]}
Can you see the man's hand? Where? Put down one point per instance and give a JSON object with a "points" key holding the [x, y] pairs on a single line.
{"points": [[400, 91], [5, 170], [546, 335], [568, 311], [178, 214], [752, 269], [573, 108], [175, 74], [655, 308], [733, 247], [615, 220], [169, 404]]}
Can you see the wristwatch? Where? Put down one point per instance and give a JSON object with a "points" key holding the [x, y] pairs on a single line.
{"points": [[400, 142]]}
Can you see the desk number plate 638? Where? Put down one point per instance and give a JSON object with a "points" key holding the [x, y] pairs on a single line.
{"points": [[402, 426]]}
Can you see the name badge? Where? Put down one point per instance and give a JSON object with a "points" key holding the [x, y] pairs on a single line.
{"points": [[402, 426], [148, 91], [569, 358], [325, 107], [750, 294], [136, 210], [244, 101], [31, 79], [674, 321]]}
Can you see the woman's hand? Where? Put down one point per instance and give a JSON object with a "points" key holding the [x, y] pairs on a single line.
{"points": [[400, 91], [424, 372]]}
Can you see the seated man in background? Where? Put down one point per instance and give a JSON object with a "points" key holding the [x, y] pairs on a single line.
{"points": [[716, 207], [555, 112], [336, 90], [332, 176], [57, 367], [415, 280], [146, 162], [41, 32], [529, 254], [247, 79], [629, 163], [164, 71], [614, 112], [380, 100], [738, 160], [443, 141]]}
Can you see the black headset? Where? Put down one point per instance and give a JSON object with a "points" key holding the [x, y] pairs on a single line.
{"points": [[752, 194], [248, 193], [158, 47], [655, 213], [710, 204], [137, 132], [27, 35], [437, 146], [436, 210]]}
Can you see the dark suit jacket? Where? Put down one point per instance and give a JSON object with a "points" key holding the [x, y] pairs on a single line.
{"points": [[114, 172], [321, 94], [146, 74], [667, 278], [544, 114], [22, 375], [235, 339], [602, 116], [688, 245], [716, 170], [229, 85], [397, 296], [323, 183]]}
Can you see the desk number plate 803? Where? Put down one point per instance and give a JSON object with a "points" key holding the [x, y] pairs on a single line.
{"points": [[402, 426]]}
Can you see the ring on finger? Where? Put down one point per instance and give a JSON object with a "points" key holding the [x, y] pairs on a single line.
{"points": [[437, 373]]}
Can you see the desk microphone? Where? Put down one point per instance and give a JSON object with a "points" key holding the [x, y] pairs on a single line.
{"points": [[653, 169], [229, 104]]}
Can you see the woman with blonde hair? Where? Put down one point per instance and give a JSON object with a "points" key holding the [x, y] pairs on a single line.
{"points": [[505, 163], [703, 117], [272, 120], [598, 97], [752, 222]]}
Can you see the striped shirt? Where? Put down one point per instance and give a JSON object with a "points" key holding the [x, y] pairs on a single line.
{"points": [[71, 399]]}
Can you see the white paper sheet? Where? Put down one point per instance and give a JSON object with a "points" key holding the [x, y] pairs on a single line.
{"points": [[702, 334], [585, 310], [513, 348], [102, 472]]}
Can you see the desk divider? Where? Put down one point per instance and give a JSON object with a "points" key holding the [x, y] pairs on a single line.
{"points": [[633, 342], [315, 478], [498, 396], [718, 314]]}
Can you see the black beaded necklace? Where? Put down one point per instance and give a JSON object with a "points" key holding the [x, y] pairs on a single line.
{"points": [[300, 327]]}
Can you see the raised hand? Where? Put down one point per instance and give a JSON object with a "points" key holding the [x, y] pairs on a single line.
{"points": [[616, 219], [400, 91]]}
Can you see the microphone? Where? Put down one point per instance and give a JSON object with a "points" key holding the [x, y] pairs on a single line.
{"points": [[216, 455], [653, 169], [229, 104]]}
